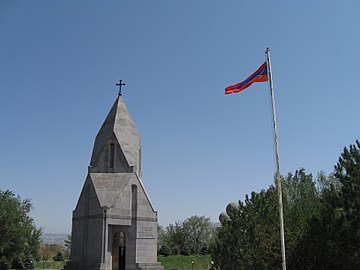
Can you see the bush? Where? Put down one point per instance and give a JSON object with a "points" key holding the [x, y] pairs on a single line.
{"points": [[204, 250], [4, 263], [175, 250], [17, 263], [58, 257], [29, 262], [186, 251], [165, 250]]}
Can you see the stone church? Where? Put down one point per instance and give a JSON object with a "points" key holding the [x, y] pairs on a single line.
{"points": [[114, 224]]}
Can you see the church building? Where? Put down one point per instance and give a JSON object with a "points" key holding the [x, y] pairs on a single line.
{"points": [[114, 224]]}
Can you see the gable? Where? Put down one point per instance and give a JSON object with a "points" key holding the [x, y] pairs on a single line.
{"points": [[88, 203], [120, 129], [111, 158]]}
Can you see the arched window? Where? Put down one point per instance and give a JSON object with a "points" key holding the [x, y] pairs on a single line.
{"points": [[112, 156], [133, 201]]}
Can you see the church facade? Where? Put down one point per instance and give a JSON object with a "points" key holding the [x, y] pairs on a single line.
{"points": [[114, 225]]}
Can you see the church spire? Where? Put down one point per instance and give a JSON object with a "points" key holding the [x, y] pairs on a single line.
{"points": [[117, 145]]}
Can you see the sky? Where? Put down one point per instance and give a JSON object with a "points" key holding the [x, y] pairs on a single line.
{"points": [[201, 149]]}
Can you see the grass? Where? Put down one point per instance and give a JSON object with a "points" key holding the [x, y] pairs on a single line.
{"points": [[174, 262], [179, 262], [49, 265]]}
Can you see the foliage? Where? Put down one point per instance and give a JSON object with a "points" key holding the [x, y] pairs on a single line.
{"points": [[29, 262], [321, 216], [334, 237], [48, 251], [19, 236], [161, 237], [175, 237], [198, 232], [67, 250], [185, 250], [165, 251], [17, 263], [204, 250], [58, 257], [251, 240], [4, 263], [194, 233], [302, 204]]}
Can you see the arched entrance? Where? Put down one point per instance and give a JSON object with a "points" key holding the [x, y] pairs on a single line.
{"points": [[118, 251]]}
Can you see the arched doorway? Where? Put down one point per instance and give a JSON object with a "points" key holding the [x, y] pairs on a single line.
{"points": [[118, 251]]}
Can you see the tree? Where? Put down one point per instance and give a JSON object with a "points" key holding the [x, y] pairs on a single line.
{"points": [[333, 239], [161, 237], [302, 204], [67, 250], [347, 171], [175, 237], [198, 232], [194, 233], [250, 238], [48, 252], [19, 237]]}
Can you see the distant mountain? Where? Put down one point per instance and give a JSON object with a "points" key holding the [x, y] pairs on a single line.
{"points": [[53, 238]]}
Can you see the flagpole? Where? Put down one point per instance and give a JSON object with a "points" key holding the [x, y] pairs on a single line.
{"points": [[278, 177]]}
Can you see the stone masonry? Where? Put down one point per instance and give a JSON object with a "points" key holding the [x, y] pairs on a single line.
{"points": [[114, 225]]}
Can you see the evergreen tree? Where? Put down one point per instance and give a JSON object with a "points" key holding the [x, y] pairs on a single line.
{"points": [[347, 207], [333, 239], [251, 239]]}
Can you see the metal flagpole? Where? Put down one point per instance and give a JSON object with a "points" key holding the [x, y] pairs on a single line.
{"points": [[278, 178]]}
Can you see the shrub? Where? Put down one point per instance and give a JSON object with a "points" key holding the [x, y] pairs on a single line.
{"points": [[175, 250], [29, 262], [186, 251], [17, 263], [4, 263], [58, 257], [165, 250], [204, 250]]}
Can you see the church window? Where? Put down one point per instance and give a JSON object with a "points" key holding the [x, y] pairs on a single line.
{"points": [[112, 156], [134, 201]]}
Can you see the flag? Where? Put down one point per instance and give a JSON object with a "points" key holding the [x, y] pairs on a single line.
{"points": [[261, 75]]}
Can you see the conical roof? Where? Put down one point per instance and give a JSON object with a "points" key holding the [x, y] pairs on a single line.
{"points": [[120, 131]]}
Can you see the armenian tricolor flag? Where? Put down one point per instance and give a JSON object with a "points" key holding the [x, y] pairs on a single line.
{"points": [[261, 75]]}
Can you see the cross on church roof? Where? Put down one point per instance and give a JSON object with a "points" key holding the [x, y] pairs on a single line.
{"points": [[120, 84]]}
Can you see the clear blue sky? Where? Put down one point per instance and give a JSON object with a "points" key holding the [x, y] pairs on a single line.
{"points": [[60, 60]]}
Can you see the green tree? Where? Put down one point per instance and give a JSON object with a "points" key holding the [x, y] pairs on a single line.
{"points": [[19, 237], [302, 204], [198, 231], [251, 239], [67, 250], [347, 171], [161, 237], [175, 237], [333, 239], [194, 233]]}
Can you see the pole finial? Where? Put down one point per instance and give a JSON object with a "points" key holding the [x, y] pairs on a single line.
{"points": [[120, 84]]}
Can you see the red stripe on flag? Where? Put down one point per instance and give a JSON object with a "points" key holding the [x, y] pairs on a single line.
{"points": [[260, 75]]}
